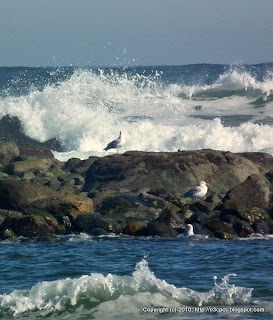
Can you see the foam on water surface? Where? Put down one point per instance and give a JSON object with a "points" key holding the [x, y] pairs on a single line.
{"points": [[97, 293]]}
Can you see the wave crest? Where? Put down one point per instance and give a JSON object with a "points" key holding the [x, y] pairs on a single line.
{"points": [[95, 291]]}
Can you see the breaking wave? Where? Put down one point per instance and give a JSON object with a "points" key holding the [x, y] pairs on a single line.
{"points": [[102, 297], [86, 109]]}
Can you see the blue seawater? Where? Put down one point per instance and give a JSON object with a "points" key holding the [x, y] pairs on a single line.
{"points": [[84, 277], [161, 108]]}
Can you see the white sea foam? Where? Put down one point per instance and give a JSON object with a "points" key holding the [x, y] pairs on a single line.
{"points": [[89, 109], [98, 293]]}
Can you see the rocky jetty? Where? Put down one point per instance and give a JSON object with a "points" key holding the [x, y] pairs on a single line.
{"points": [[135, 193]]}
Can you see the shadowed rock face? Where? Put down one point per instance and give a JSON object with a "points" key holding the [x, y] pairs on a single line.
{"points": [[170, 172]]}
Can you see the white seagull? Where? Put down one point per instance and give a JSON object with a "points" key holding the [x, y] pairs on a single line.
{"points": [[197, 192], [115, 144], [188, 233], [188, 230]]}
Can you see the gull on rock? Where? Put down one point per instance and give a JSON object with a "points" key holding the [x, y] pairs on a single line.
{"points": [[115, 144], [197, 192]]}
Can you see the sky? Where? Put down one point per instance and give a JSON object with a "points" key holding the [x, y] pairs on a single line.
{"points": [[135, 32]]}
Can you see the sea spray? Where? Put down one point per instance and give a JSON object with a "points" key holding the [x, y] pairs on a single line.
{"points": [[157, 109], [92, 292]]}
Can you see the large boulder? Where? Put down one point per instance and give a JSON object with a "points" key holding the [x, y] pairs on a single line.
{"points": [[169, 172], [17, 195], [254, 192], [65, 205]]}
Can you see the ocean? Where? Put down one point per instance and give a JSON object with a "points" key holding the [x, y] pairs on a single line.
{"points": [[157, 108], [164, 108]]}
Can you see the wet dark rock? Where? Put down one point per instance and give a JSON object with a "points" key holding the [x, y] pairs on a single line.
{"points": [[254, 192], [200, 229], [200, 217], [160, 229], [224, 235], [99, 232], [88, 222], [172, 219], [230, 218], [8, 151], [254, 215], [243, 228], [7, 234], [135, 226], [263, 227], [200, 205], [27, 226], [219, 228], [45, 237], [50, 219], [64, 222]]}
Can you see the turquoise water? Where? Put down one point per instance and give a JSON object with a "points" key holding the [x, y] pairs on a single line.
{"points": [[81, 277]]}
